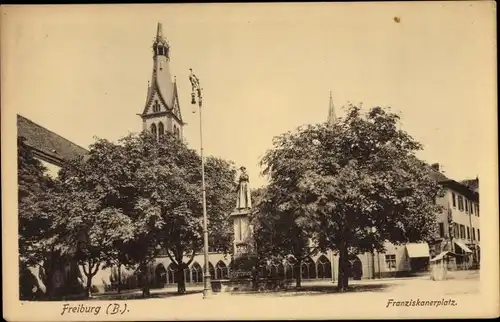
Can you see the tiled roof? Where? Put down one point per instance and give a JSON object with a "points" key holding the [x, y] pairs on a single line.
{"points": [[46, 142], [460, 187], [473, 184], [439, 176]]}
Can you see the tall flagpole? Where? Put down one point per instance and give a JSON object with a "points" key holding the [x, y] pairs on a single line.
{"points": [[196, 94]]}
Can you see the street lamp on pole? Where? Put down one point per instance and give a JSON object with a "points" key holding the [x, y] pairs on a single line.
{"points": [[197, 95]]}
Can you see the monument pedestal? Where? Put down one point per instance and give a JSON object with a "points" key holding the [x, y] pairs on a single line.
{"points": [[242, 242], [243, 274]]}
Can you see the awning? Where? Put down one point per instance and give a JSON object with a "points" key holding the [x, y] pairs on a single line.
{"points": [[464, 248], [441, 256], [417, 250]]}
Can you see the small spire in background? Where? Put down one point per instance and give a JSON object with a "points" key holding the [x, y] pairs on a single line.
{"points": [[331, 111]]}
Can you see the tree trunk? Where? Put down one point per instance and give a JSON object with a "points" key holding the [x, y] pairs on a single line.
{"points": [[343, 279], [48, 274], [298, 278], [92, 270], [49, 283], [119, 278], [89, 285], [145, 287], [180, 278]]}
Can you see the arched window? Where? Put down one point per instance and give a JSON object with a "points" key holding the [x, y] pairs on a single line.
{"points": [[277, 269], [196, 273], [211, 269], [161, 275], [156, 107], [308, 269], [288, 271], [281, 270], [356, 267], [171, 273], [161, 129], [153, 130], [292, 269], [221, 270], [324, 267]]}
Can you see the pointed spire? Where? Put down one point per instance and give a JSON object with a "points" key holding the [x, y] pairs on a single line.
{"points": [[159, 32], [331, 111]]}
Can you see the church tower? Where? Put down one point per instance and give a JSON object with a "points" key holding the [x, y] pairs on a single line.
{"points": [[331, 111], [161, 113]]}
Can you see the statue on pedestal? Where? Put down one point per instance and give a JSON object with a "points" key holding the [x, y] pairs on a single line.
{"points": [[243, 239], [243, 268], [243, 199]]}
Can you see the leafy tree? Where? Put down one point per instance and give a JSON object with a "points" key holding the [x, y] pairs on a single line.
{"points": [[280, 234], [32, 183], [106, 221], [37, 246], [85, 220], [356, 183], [174, 202], [156, 184], [128, 200]]}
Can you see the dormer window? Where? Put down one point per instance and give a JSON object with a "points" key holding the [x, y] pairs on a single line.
{"points": [[156, 107]]}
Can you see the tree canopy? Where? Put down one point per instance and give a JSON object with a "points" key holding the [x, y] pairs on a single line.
{"points": [[354, 184], [34, 186], [129, 201]]}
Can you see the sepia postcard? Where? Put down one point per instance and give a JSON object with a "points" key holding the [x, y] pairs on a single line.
{"points": [[249, 161]]}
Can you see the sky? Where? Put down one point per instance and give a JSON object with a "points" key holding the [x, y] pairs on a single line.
{"points": [[83, 71]]}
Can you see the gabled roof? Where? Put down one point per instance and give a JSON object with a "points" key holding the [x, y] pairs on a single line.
{"points": [[167, 100], [473, 184], [459, 187], [161, 84], [439, 176], [176, 98], [48, 145]]}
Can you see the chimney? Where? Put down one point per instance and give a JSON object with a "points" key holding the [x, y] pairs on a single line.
{"points": [[435, 166]]}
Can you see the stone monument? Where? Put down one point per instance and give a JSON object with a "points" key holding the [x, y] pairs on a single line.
{"points": [[242, 242], [243, 268]]}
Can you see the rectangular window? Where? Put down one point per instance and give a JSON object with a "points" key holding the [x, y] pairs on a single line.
{"points": [[478, 235], [473, 233], [466, 205], [460, 203], [441, 229], [462, 231], [454, 199], [468, 233], [390, 261], [471, 208], [456, 232], [477, 209]]}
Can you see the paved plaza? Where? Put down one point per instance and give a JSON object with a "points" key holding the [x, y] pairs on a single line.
{"points": [[318, 300]]}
